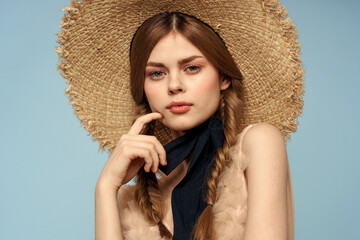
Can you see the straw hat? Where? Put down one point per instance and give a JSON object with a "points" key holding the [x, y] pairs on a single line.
{"points": [[94, 46]]}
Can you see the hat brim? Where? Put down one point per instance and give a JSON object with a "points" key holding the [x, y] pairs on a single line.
{"points": [[94, 58]]}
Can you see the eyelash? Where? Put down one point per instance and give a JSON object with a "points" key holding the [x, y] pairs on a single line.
{"points": [[152, 74], [192, 66], [197, 69]]}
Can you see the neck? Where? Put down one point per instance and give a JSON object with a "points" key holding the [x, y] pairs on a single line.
{"points": [[175, 134]]}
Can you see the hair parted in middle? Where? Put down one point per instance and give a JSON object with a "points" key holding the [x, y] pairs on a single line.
{"points": [[147, 192]]}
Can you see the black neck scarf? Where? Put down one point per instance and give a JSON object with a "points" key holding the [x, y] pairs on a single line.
{"points": [[188, 199]]}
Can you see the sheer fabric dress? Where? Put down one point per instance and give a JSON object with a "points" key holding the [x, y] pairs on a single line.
{"points": [[229, 211]]}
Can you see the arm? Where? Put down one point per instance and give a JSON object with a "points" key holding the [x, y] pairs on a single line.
{"points": [[107, 220], [132, 152], [267, 172]]}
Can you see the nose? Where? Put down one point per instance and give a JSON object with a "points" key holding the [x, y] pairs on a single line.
{"points": [[175, 85]]}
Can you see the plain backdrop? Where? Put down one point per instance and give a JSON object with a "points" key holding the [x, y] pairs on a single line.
{"points": [[49, 166]]}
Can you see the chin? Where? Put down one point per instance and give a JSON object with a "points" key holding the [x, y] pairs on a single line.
{"points": [[179, 125], [182, 123]]}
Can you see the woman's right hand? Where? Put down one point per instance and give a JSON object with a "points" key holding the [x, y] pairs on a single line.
{"points": [[131, 153]]}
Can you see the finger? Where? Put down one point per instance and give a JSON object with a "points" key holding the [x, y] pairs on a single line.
{"points": [[144, 154], [141, 121], [161, 151], [152, 150], [153, 140]]}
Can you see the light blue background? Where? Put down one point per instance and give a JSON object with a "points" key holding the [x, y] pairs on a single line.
{"points": [[49, 166]]}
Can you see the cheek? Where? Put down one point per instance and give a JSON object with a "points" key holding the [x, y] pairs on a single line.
{"points": [[209, 87], [152, 94]]}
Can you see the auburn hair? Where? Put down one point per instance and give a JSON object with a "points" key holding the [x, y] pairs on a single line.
{"points": [[200, 34]]}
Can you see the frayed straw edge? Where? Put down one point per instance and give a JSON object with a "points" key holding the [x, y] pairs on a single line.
{"points": [[72, 14], [291, 35]]}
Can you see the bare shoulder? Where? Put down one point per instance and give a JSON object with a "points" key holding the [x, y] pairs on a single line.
{"points": [[262, 132], [264, 148], [263, 137]]}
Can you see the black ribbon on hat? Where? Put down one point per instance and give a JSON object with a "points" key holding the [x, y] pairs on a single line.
{"points": [[188, 199]]}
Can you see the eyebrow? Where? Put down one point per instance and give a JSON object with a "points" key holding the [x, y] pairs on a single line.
{"points": [[180, 62]]}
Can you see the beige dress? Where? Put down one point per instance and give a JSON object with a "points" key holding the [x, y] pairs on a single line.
{"points": [[229, 211]]}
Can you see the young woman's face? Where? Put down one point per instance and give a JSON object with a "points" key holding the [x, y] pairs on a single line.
{"points": [[181, 84]]}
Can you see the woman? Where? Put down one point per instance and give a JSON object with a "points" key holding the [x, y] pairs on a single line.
{"points": [[222, 175]]}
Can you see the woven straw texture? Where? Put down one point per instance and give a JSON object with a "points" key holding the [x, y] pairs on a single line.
{"points": [[94, 58]]}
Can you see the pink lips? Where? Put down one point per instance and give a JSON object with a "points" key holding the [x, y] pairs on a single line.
{"points": [[179, 107]]}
